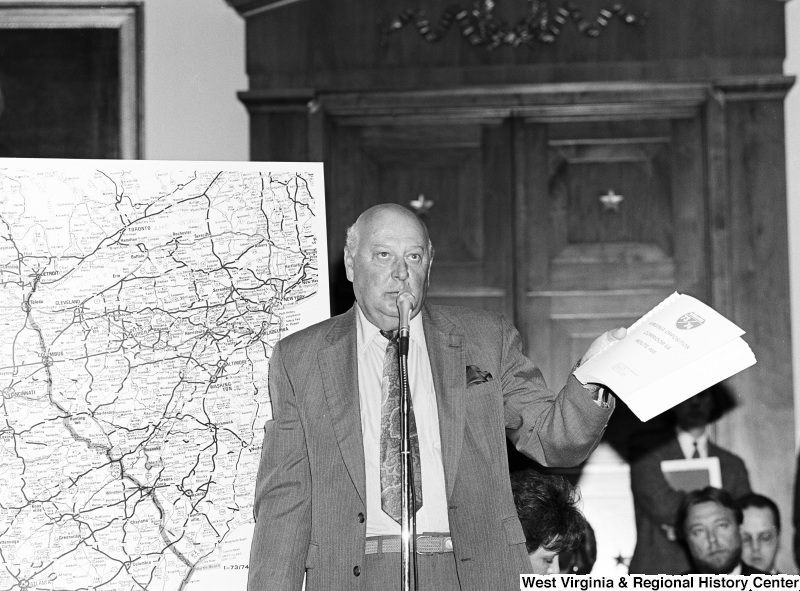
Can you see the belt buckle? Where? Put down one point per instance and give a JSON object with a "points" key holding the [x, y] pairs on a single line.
{"points": [[419, 538], [445, 544]]}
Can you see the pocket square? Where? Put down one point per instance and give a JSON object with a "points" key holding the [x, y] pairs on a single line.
{"points": [[476, 375]]}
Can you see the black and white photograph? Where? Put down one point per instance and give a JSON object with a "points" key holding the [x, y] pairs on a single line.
{"points": [[399, 295]]}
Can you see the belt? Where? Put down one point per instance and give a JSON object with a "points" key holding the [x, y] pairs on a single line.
{"points": [[426, 544]]}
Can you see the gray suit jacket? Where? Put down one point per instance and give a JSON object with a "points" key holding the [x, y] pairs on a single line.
{"points": [[310, 491]]}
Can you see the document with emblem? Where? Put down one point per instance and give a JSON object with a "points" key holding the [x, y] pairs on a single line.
{"points": [[679, 348]]}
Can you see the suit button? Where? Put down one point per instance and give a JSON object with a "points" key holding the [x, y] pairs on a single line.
{"points": [[356, 571], [361, 518]]}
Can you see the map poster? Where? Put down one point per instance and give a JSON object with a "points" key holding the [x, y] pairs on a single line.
{"points": [[139, 304]]}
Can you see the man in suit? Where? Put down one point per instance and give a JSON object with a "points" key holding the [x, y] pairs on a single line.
{"points": [[322, 507], [655, 502], [709, 522]]}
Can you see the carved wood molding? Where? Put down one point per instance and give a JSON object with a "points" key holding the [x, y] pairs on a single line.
{"points": [[540, 102], [532, 102], [549, 102], [480, 26], [294, 100], [755, 88]]}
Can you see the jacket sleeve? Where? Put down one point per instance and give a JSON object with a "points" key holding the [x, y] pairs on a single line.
{"points": [[555, 430], [735, 478], [282, 505], [653, 495]]}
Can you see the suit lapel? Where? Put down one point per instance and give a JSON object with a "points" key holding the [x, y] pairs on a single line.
{"points": [[338, 365], [446, 352], [673, 449]]}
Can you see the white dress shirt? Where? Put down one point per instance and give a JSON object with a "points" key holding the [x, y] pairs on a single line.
{"points": [[371, 349], [687, 441]]}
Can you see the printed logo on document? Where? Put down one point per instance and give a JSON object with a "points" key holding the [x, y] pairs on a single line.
{"points": [[689, 321]]}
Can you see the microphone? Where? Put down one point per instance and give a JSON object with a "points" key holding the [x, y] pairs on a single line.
{"points": [[405, 302]]}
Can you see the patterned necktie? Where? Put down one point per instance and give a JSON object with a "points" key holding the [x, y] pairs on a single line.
{"points": [[390, 435]]}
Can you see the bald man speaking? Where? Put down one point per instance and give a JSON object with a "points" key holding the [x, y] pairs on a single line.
{"points": [[326, 501]]}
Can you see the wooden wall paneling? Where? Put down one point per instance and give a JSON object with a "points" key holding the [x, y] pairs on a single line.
{"points": [[277, 40], [597, 253], [587, 270], [755, 428], [516, 145], [279, 124], [751, 282], [533, 241], [279, 136], [719, 215], [689, 184], [345, 199], [336, 44], [568, 155], [461, 166], [318, 133], [497, 211], [752, 285]]}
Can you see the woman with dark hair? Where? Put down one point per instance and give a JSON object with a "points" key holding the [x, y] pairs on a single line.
{"points": [[547, 509], [580, 560]]}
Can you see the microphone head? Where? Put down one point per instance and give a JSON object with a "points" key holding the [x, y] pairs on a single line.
{"points": [[405, 302], [405, 298]]}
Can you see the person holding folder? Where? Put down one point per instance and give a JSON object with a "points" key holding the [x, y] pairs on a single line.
{"points": [[655, 502]]}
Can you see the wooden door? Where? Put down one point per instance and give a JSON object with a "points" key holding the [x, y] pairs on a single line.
{"points": [[455, 174], [522, 210], [612, 220], [525, 221]]}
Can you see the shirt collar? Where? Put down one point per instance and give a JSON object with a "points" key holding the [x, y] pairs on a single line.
{"points": [[686, 441], [366, 331]]}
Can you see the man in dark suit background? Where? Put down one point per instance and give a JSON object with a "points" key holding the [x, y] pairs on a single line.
{"points": [[708, 522], [320, 493], [655, 502]]}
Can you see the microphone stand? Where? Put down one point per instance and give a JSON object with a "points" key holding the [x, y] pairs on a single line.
{"points": [[408, 513]]}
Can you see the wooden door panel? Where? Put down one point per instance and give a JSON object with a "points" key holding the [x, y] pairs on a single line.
{"points": [[462, 169], [569, 321], [611, 265], [451, 180], [588, 268], [591, 266]]}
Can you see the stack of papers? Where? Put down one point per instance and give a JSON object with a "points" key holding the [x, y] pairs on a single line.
{"points": [[679, 348]]}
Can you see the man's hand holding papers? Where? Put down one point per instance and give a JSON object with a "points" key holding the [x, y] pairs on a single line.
{"points": [[679, 348]]}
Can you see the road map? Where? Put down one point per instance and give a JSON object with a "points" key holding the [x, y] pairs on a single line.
{"points": [[139, 305]]}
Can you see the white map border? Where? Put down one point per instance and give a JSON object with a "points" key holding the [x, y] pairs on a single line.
{"points": [[139, 302]]}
